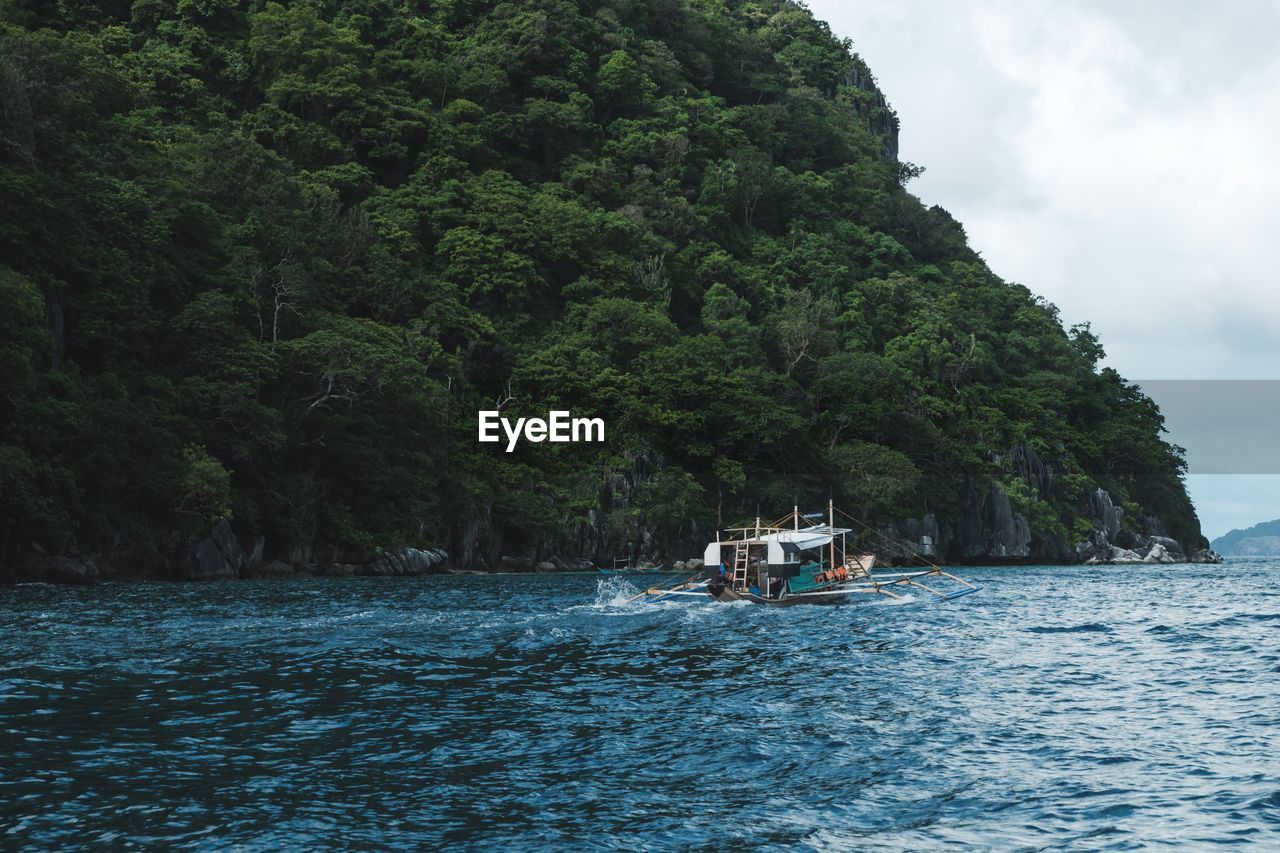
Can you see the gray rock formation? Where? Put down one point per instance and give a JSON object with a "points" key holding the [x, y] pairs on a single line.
{"points": [[218, 556], [1097, 548], [1033, 470], [57, 568], [1171, 547], [990, 529], [920, 535], [1106, 516], [908, 540], [253, 562], [300, 554], [273, 569], [410, 562], [1152, 547], [1107, 519], [1115, 556], [874, 110]]}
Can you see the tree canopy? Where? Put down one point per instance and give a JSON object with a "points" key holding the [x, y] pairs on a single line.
{"points": [[268, 260]]}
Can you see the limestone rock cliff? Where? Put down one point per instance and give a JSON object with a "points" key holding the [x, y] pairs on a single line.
{"points": [[873, 107]]}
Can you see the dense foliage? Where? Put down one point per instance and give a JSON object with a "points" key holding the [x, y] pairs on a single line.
{"points": [[267, 260]]}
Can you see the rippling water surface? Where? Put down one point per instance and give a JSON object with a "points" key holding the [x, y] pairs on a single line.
{"points": [[1082, 707]]}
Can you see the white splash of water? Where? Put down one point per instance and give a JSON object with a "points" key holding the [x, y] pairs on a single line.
{"points": [[615, 592]]}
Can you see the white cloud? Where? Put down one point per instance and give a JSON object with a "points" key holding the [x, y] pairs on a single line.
{"points": [[1113, 159], [1116, 158]]}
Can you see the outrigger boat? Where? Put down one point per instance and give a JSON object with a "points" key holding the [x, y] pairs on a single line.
{"points": [[781, 566]]}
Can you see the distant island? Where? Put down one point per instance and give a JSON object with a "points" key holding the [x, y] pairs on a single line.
{"points": [[1261, 540]]}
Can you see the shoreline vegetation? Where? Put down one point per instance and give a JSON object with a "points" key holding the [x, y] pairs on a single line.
{"points": [[220, 557], [264, 263]]}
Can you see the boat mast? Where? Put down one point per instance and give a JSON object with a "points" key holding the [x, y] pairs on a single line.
{"points": [[831, 523], [759, 570], [795, 517]]}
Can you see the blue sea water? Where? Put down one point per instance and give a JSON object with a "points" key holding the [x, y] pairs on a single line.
{"points": [[1076, 708]]}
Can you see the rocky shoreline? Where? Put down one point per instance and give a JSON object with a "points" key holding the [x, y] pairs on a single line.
{"points": [[991, 528], [220, 556]]}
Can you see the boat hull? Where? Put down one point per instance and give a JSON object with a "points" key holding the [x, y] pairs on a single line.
{"points": [[728, 596]]}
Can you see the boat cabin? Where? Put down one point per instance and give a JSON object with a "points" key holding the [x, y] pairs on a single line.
{"points": [[781, 565], [773, 562]]}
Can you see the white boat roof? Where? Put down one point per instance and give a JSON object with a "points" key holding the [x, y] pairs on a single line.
{"points": [[808, 537]]}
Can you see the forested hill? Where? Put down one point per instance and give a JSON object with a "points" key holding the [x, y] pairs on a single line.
{"points": [[266, 261]]}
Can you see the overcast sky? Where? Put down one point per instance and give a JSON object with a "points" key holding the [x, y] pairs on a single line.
{"points": [[1117, 158]]}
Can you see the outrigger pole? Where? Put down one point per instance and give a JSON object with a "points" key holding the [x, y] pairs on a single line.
{"points": [[831, 522], [685, 584], [904, 578]]}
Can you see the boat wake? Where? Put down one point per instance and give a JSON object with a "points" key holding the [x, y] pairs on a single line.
{"points": [[615, 592], [894, 602]]}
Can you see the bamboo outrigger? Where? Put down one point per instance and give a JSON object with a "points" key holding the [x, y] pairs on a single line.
{"points": [[781, 566]]}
